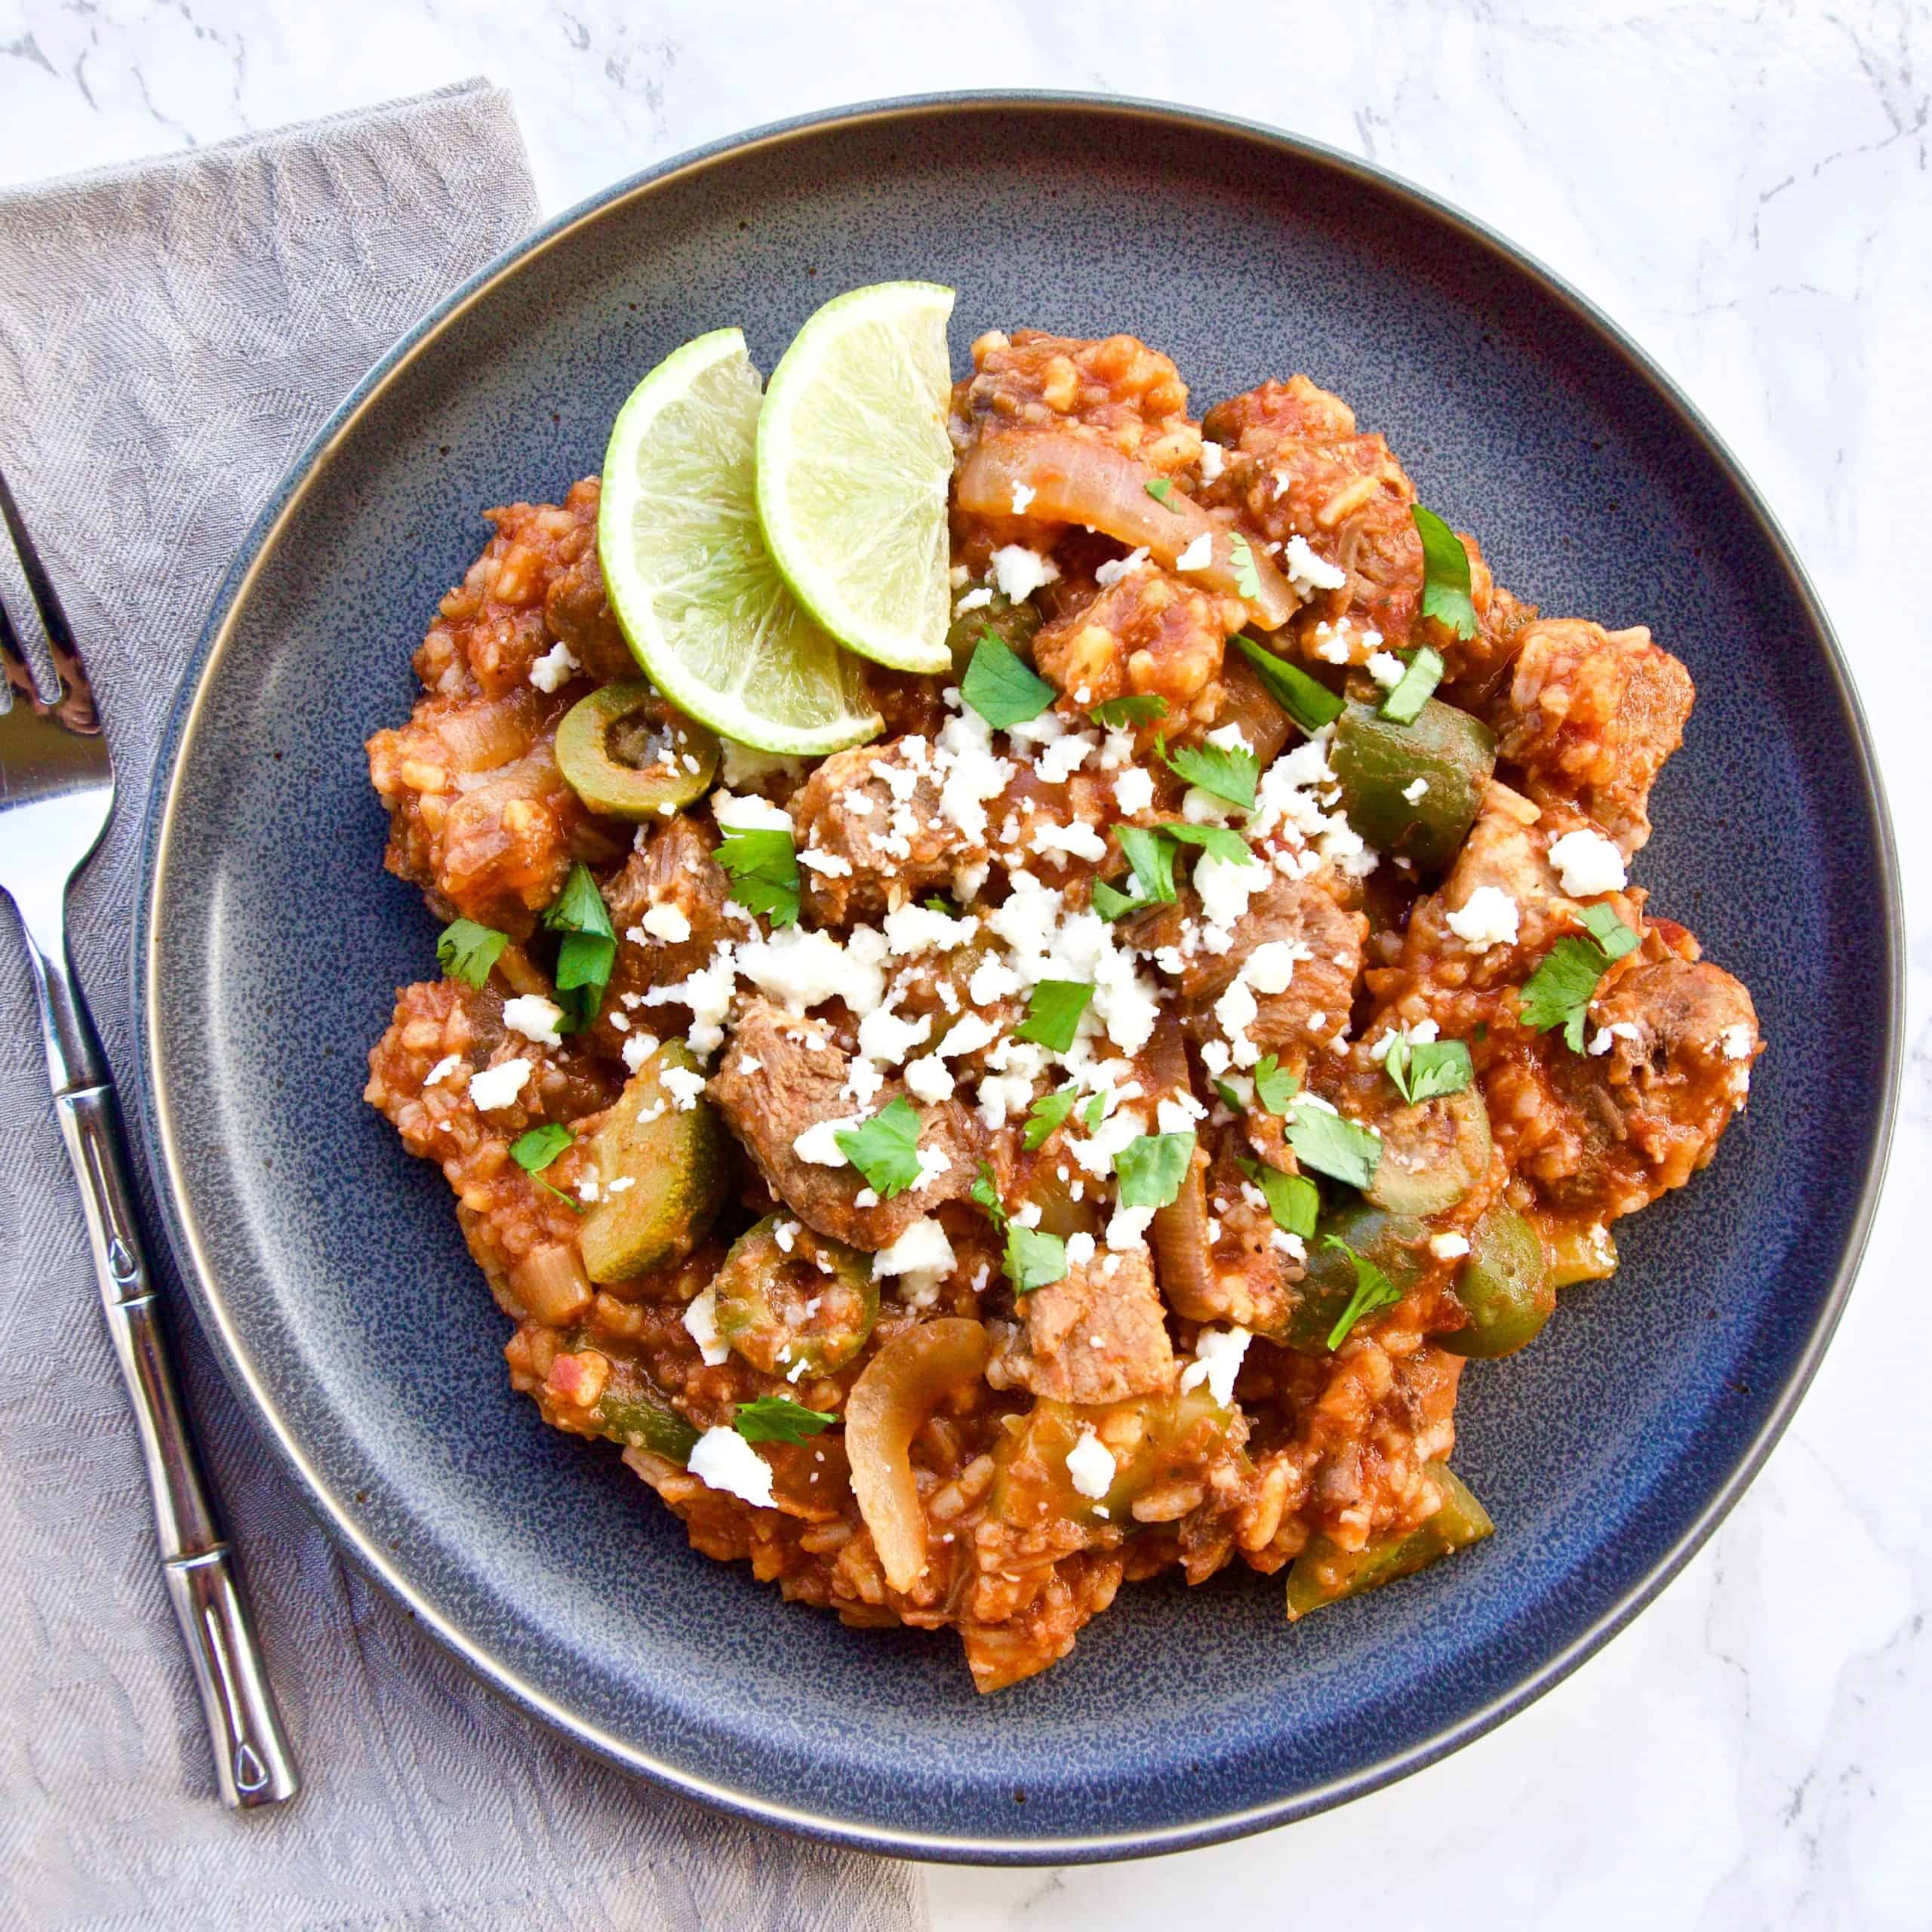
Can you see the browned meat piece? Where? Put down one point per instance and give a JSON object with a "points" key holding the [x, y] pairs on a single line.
{"points": [[874, 813], [480, 816], [1150, 632], [1589, 716], [781, 1075], [492, 627], [1298, 468], [1041, 1631], [1249, 1277], [445, 1028], [675, 870], [1326, 940], [1091, 1337], [1602, 1134]]}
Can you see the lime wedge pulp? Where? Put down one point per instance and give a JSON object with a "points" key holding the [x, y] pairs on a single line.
{"points": [[695, 595], [853, 465]]}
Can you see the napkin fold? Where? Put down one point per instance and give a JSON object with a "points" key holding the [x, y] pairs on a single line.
{"points": [[171, 334]]}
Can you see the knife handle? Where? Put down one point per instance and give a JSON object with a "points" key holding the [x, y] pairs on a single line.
{"points": [[253, 1764]]}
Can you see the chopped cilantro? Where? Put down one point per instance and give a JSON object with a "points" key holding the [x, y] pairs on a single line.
{"points": [[1309, 703], [1112, 904], [1230, 776], [937, 902], [1095, 1112], [1231, 1100], [1053, 1009], [466, 950], [1293, 1199], [1143, 708], [1152, 1167], [1558, 992], [1445, 574], [763, 865], [779, 1419], [1423, 1069], [885, 1149], [1274, 1088], [1403, 705], [1153, 858], [1160, 490], [983, 1194], [1221, 840], [1034, 1259], [1000, 688], [1044, 1115], [1247, 578], [1373, 1290], [1324, 1141], [534, 1151], [588, 949]]}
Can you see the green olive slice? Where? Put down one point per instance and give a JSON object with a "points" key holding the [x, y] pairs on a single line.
{"points": [[628, 755], [661, 1174], [1432, 1154], [786, 1295]]}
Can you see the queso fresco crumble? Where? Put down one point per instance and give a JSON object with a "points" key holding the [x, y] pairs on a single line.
{"points": [[1087, 1129]]}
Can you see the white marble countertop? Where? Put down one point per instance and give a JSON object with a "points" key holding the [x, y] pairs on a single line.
{"points": [[1744, 183]]}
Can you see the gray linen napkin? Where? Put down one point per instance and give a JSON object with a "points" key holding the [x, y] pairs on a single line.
{"points": [[171, 335]]}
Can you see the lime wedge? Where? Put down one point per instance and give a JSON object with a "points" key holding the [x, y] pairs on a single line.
{"points": [[854, 463], [694, 593]]}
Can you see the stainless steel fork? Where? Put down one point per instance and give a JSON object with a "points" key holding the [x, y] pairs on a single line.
{"points": [[57, 792]]}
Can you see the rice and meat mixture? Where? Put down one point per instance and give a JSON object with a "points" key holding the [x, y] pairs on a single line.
{"points": [[1088, 1129]]}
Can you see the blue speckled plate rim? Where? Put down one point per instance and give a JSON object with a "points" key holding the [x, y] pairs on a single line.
{"points": [[162, 1153]]}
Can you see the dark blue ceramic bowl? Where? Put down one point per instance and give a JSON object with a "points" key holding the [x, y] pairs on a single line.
{"points": [[327, 1266]]}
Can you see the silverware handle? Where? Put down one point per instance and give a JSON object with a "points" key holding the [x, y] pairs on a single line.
{"points": [[253, 1765]]}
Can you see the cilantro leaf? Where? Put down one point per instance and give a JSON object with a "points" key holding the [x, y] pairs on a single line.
{"points": [[534, 1151], [1558, 992], [779, 1419], [1423, 1069], [1144, 707], [937, 902], [590, 946], [1034, 1259], [1231, 1100], [466, 950], [763, 863], [1223, 840], [1160, 490], [1329, 1144], [1053, 1009], [1229, 775], [1000, 688], [1294, 1200], [1309, 703], [1094, 1111], [1445, 574], [984, 1194], [885, 1149], [1274, 1088], [1373, 1290], [1044, 1115], [1422, 673], [1112, 904], [1152, 1168], [1248, 578], [1153, 858]]}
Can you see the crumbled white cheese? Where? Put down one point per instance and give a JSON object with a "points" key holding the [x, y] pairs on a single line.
{"points": [[1023, 495], [1198, 555], [968, 1035], [1308, 572], [973, 600], [1448, 1247], [554, 670], [749, 812], [1270, 967], [1487, 918], [1415, 790], [1586, 863], [922, 1258], [701, 1324], [667, 923], [1218, 1359], [1226, 887], [1079, 1247], [498, 1086], [929, 1078], [1115, 568], [535, 1017], [1078, 838], [1736, 1039], [723, 1461], [1065, 756], [1128, 1227], [887, 1037], [1134, 789], [443, 1069], [1213, 460], [1019, 572], [638, 1049], [1090, 1465], [684, 1086], [819, 1143], [1386, 668]]}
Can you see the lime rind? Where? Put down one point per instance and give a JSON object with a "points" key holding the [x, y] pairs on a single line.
{"points": [[697, 596], [853, 468]]}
